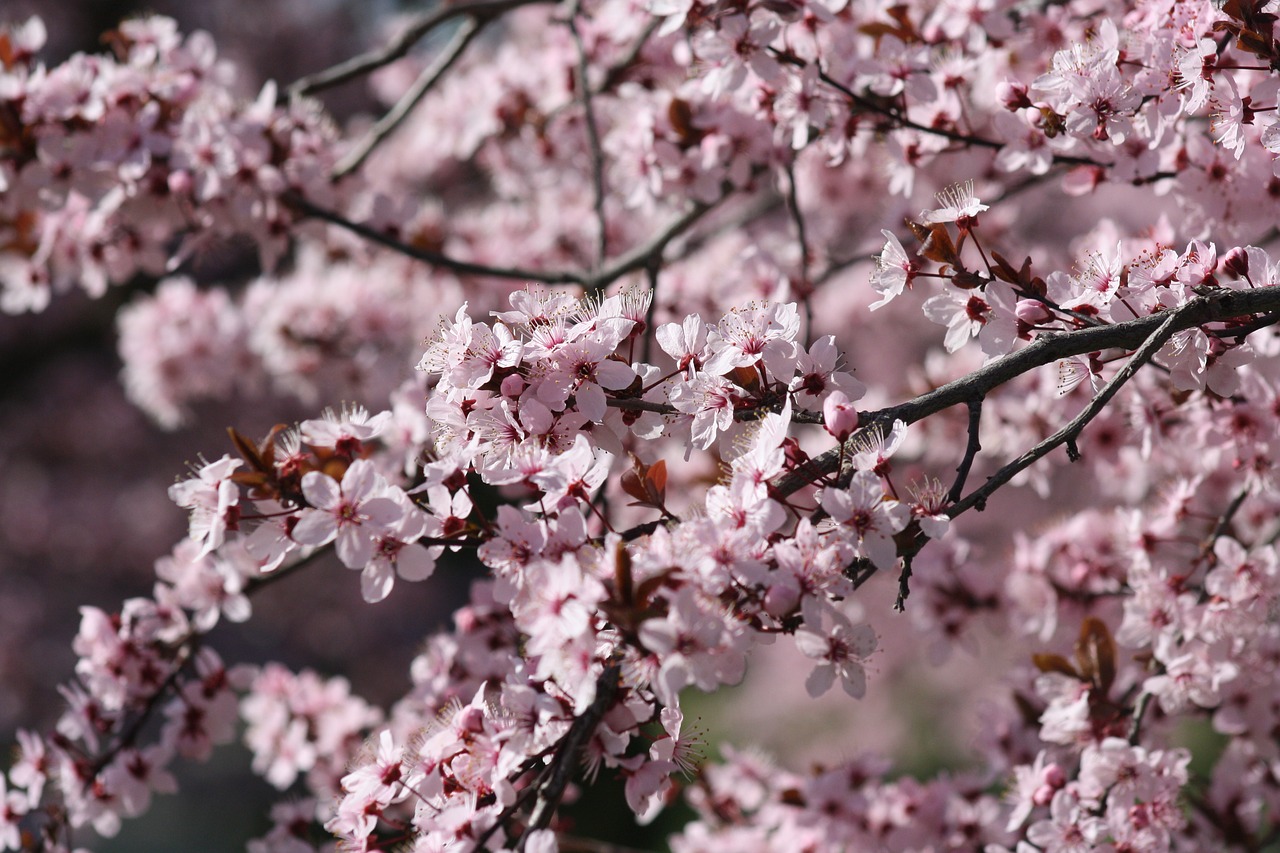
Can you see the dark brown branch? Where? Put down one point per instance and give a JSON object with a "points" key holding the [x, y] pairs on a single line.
{"points": [[1068, 434], [635, 404], [642, 255], [1224, 523], [904, 584], [970, 451], [615, 73], [551, 789], [1046, 349], [435, 259], [636, 259]]}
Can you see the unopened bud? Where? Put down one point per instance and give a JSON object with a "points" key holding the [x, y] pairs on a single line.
{"points": [[180, 182], [1236, 263], [512, 386], [1032, 312], [1013, 95], [781, 599], [1053, 776], [839, 416]]}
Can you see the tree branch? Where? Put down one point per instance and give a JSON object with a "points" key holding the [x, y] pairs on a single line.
{"points": [[636, 259], [642, 255], [551, 789], [1068, 434], [970, 451], [386, 125], [1047, 348], [435, 259], [403, 43]]}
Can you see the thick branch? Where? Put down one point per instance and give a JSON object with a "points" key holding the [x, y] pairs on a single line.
{"points": [[1216, 306], [551, 789], [1068, 434]]}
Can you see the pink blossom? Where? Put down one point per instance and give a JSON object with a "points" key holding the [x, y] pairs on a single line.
{"points": [[355, 513], [842, 647]]}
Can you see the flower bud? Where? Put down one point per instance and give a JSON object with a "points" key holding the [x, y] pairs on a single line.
{"points": [[839, 416], [781, 599], [1032, 312], [1236, 263], [1013, 95], [180, 182], [512, 386]]}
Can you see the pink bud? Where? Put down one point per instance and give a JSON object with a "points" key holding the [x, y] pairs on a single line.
{"points": [[1031, 312], [839, 416], [1236, 263], [180, 182], [1013, 95], [1053, 776], [781, 599], [512, 386]]}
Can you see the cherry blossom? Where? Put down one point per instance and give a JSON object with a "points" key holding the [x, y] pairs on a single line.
{"points": [[645, 237]]}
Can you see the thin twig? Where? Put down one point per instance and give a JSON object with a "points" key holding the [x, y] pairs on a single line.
{"points": [[638, 258], [1135, 728], [184, 651], [904, 584], [593, 137], [970, 451], [652, 272], [641, 256], [614, 75], [1224, 522], [435, 259], [635, 404], [386, 125], [401, 45], [802, 239], [1068, 434], [1046, 349]]}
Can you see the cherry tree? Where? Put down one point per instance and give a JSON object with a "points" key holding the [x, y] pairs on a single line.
{"points": [[721, 315]]}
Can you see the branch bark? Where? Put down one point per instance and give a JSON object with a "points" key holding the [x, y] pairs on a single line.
{"points": [[1207, 308]]}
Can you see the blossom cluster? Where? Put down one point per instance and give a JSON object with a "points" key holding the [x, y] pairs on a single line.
{"points": [[111, 166], [662, 480]]}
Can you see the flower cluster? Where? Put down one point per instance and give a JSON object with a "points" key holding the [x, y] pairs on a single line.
{"points": [[111, 166], [661, 476]]}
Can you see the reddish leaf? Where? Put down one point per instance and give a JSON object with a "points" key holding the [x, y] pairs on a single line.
{"points": [[938, 246], [247, 450], [1096, 653], [656, 479], [1046, 662]]}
